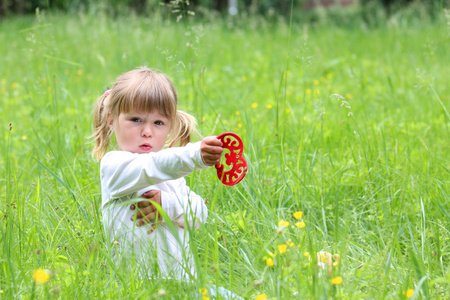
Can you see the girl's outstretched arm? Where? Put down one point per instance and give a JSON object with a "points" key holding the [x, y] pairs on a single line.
{"points": [[124, 173]]}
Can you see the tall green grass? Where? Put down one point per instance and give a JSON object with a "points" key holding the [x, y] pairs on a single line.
{"points": [[348, 125]]}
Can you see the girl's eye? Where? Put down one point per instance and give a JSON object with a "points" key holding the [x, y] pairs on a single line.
{"points": [[159, 122], [135, 120]]}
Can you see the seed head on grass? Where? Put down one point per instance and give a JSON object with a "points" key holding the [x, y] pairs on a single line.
{"points": [[41, 276], [162, 292]]}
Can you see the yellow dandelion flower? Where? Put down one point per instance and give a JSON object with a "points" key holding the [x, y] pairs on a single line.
{"points": [[348, 96], [316, 82], [291, 244], [336, 280], [300, 224], [304, 118], [282, 248], [13, 85], [316, 92], [237, 113], [1, 292], [409, 293], [335, 264], [298, 214], [41, 276], [329, 75], [269, 106], [306, 254], [323, 257], [308, 91], [288, 110], [203, 291], [205, 298], [283, 223], [224, 122], [269, 262], [254, 105], [244, 79], [261, 297], [80, 72], [23, 138], [239, 125]]}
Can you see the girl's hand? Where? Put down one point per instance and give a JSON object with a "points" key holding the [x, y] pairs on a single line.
{"points": [[211, 150], [147, 212]]}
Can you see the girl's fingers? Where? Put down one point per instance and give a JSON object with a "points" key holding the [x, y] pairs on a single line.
{"points": [[140, 204], [143, 212], [154, 225], [143, 204], [146, 219], [212, 159], [150, 193]]}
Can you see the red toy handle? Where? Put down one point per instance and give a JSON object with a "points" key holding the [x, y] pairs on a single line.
{"points": [[234, 159]]}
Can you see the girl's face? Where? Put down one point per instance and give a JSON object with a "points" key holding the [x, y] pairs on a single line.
{"points": [[141, 132]]}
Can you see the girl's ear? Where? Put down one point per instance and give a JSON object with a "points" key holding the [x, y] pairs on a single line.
{"points": [[110, 121]]}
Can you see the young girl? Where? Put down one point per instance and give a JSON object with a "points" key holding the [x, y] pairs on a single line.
{"points": [[141, 111]]}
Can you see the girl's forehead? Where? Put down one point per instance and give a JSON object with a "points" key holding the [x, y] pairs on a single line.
{"points": [[141, 109], [141, 112]]}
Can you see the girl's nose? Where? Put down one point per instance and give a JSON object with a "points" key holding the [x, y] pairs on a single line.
{"points": [[146, 131]]}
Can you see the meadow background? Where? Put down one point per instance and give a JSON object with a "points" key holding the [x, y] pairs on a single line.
{"points": [[342, 119]]}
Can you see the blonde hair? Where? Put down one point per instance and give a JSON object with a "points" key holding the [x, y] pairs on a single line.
{"points": [[140, 90]]}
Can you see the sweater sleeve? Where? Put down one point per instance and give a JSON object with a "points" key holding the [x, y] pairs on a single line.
{"points": [[124, 173], [190, 209]]}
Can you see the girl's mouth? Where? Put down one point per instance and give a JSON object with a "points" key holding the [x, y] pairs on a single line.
{"points": [[145, 147]]}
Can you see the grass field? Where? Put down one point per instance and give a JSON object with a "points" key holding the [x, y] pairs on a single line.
{"points": [[348, 124]]}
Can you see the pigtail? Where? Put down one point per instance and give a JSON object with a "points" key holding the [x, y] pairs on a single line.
{"points": [[102, 133], [183, 127]]}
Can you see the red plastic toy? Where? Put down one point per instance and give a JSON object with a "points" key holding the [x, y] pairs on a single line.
{"points": [[234, 160]]}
